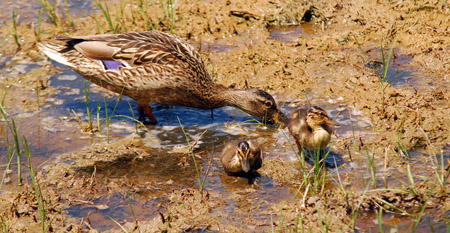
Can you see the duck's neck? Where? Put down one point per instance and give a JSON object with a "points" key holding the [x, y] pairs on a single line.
{"points": [[225, 96]]}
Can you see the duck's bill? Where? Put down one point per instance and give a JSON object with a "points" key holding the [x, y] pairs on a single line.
{"points": [[281, 119], [329, 122]]}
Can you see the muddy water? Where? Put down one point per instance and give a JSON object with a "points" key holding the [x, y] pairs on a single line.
{"points": [[52, 131], [289, 34], [395, 223], [399, 73], [166, 169]]}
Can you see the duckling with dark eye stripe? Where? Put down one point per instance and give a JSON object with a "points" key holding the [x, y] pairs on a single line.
{"points": [[241, 157], [311, 128]]}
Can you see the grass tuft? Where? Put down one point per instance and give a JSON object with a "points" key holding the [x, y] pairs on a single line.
{"points": [[372, 170], [191, 151], [87, 85], [169, 7], [132, 211], [67, 14], [384, 80], [13, 31], [50, 10], [14, 130], [114, 28], [143, 11], [37, 190]]}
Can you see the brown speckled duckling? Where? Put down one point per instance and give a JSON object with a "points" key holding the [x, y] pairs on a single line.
{"points": [[154, 67], [311, 128], [241, 157]]}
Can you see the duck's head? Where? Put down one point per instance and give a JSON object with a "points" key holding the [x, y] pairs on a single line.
{"points": [[262, 104], [242, 152], [316, 117]]}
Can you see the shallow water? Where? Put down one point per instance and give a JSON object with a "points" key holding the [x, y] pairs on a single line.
{"points": [[54, 134], [51, 132], [395, 223], [29, 9], [290, 33], [165, 171], [399, 72]]}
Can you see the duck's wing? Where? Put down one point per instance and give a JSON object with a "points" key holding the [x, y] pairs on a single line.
{"points": [[157, 52], [297, 125]]}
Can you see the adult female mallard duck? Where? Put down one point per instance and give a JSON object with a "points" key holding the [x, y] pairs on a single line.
{"points": [[154, 67], [311, 128], [241, 157]]}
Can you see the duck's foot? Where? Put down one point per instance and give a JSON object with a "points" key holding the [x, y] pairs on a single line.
{"points": [[146, 111], [149, 122]]}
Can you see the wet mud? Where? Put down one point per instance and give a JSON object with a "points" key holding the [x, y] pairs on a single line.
{"points": [[390, 154]]}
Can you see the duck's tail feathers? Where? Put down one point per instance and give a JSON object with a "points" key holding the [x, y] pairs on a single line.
{"points": [[54, 52]]}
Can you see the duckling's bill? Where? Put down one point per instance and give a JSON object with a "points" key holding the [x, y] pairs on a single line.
{"points": [[330, 122], [245, 165]]}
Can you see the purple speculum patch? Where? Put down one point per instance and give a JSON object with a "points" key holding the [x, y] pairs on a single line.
{"points": [[111, 64]]}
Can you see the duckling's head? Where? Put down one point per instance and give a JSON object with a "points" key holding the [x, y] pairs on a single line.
{"points": [[262, 104], [316, 117], [242, 153]]}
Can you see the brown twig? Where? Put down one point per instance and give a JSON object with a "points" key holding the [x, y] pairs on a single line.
{"points": [[244, 14]]}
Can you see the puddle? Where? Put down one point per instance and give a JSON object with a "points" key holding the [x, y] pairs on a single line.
{"points": [[286, 34], [52, 134], [153, 178], [165, 171], [399, 72], [395, 223], [228, 44], [290, 33]]}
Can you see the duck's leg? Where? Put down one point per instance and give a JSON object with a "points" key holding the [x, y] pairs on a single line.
{"points": [[148, 111]]}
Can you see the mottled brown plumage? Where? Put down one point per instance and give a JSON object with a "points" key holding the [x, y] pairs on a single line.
{"points": [[154, 67], [241, 157], [311, 128]]}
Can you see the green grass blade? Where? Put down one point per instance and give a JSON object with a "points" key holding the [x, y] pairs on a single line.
{"points": [[118, 224], [35, 185], [192, 154]]}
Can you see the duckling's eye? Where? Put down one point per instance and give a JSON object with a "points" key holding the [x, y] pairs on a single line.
{"points": [[268, 104]]}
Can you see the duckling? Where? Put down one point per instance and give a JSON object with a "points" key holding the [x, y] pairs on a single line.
{"points": [[311, 128], [241, 157], [154, 67]]}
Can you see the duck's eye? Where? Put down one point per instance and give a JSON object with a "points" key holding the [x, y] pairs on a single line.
{"points": [[268, 104]]}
